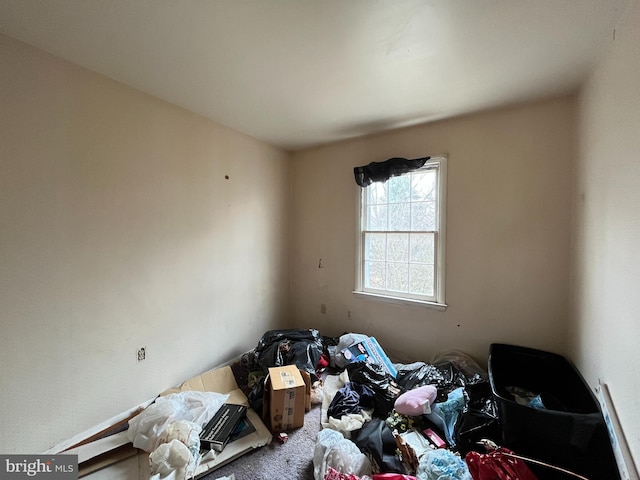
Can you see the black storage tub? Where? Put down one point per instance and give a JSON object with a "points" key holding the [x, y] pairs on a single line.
{"points": [[570, 432]]}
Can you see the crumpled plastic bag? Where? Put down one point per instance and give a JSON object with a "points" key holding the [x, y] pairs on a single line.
{"points": [[187, 433], [347, 340], [332, 450], [442, 464], [465, 365], [170, 458], [146, 429]]}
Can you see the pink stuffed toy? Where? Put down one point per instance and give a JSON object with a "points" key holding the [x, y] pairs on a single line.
{"points": [[417, 401]]}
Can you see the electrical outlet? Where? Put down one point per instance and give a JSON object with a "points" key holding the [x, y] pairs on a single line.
{"points": [[142, 353], [323, 308]]}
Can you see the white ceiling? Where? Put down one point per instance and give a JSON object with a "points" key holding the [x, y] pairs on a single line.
{"points": [[298, 73]]}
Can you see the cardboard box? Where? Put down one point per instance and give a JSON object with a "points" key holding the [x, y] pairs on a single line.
{"points": [[255, 433], [284, 398], [307, 389]]}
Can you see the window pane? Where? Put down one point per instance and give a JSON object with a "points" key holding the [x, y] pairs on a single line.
{"points": [[421, 248], [375, 246], [399, 189], [377, 193], [398, 247], [377, 217], [423, 186], [400, 216], [374, 275], [423, 216], [398, 277], [421, 279]]}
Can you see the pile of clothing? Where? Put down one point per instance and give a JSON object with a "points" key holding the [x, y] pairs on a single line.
{"points": [[388, 421]]}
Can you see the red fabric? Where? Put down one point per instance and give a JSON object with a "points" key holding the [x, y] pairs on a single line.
{"points": [[392, 476], [323, 362], [497, 466], [333, 474]]}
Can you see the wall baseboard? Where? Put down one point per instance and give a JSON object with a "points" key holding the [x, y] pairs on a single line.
{"points": [[626, 463]]}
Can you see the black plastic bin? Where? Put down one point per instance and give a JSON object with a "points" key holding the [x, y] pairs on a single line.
{"points": [[569, 431]]}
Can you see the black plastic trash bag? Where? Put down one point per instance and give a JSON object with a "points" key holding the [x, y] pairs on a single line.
{"points": [[447, 372], [473, 427], [302, 348], [479, 420], [384, 387], [377, 442], [417, 375]]}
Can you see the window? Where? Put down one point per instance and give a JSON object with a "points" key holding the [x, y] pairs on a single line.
{"points": [[402, 237]]}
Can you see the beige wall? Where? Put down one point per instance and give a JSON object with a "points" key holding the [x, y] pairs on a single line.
{"points": [[508, 233], [119, 230], [605, 335]]}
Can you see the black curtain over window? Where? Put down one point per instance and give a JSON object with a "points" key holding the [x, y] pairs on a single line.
{"points": [[383, 171]]}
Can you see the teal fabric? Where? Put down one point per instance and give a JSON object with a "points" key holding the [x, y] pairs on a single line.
{"points": [[445, 414], [442, 464]]}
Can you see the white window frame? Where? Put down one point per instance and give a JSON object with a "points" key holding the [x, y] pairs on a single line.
{"points": [[438, 300]]}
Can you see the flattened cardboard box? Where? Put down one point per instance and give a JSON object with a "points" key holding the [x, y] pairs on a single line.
{"points": [[221, 380], [285, 398]]}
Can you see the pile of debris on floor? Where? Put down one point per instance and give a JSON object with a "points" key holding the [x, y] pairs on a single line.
{"points": [[380, 420]]}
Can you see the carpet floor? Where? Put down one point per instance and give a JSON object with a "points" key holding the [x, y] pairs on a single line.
{"points": [[291, 460]]}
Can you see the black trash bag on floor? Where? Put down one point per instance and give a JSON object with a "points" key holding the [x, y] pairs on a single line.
{"points": [[300, 347], [479, 419], [480, 399], [419, 375], [384, 387], [377, 442], [444, 375], [473, 427]]}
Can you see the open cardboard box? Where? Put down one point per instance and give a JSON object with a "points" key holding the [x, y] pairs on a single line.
{"points": [[222, 380]]}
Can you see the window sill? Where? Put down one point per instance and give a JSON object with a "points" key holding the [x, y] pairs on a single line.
{"points": [[401, 301]]}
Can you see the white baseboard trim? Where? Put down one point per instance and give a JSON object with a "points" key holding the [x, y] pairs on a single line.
{"points": [[621, 451]]}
